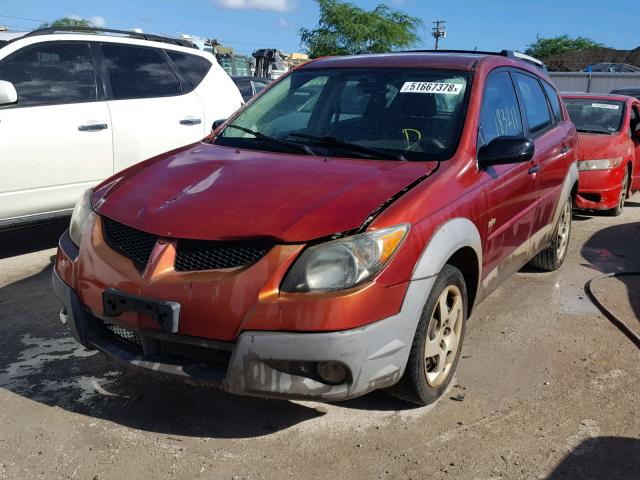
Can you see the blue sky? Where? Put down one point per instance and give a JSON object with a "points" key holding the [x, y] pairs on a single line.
{"points": [[250, 24]]}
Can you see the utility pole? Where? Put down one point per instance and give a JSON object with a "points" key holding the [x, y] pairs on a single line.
{"points": [[439, 30]]}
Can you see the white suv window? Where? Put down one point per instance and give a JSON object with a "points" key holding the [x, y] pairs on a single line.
{"points": [[51, 73], [139, 72], [192, 67]]}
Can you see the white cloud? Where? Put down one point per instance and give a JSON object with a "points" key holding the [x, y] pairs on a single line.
{"points": [[271, 5], [97, 21]]}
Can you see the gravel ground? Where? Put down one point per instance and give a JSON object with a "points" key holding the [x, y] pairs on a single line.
{"points": [[546, 388]]}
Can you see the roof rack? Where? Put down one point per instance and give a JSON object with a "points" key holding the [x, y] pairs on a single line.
{"points": [[109, 31], [503, 53]]}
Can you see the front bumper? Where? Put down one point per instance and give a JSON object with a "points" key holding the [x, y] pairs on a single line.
{"points": [[600, 189], [267, 364]]}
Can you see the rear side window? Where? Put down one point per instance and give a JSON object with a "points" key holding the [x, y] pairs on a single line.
{"points": [[552, 95], [138, 72], [51, 73], [192, 67], [500, 113], [245, 89], [536, 109]]}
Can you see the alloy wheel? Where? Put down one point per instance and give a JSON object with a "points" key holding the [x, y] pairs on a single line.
{"points": [[623, 193], [443, 336], [564, 230]]}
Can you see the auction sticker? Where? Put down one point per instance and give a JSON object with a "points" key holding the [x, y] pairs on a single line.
{"points": [[608, 106], [432, 87]]}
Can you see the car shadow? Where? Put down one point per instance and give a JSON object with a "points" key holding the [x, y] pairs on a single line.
{"points": [[601, 458], [40, 361], [19, 241], [607, 251]]}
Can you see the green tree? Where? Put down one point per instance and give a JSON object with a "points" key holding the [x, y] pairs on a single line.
{"points": [[344, 28], [68, 22], [547, 47]]}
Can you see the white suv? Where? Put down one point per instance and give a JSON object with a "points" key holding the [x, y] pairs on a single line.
{"points": [[78, 106]]}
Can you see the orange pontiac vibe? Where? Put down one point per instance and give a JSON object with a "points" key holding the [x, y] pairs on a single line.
{"points": [[334, 235], [608, 149]]}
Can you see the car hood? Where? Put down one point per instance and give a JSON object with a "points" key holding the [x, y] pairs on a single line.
{"points": [[209, 192], [594, 146]]}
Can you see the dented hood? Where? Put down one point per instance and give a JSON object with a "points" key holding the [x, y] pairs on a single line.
{"points": [[218, 193]]}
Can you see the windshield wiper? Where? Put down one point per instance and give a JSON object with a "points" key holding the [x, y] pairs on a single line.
{"points": [[354, 147], [277, 141]]}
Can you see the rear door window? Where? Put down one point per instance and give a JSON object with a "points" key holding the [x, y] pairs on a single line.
{"points": [[552, 95], [500, 113], [139, 72], [51, 73], [535, 105], [192, 67]]}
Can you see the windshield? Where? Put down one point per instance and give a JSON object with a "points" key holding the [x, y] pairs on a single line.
{"points": [[412, 114], [595, 115]]}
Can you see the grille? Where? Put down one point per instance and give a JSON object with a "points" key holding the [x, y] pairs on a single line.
{"points": [[181, 351], [194, 353], [130, 242], [124, 334], [205, 255]]}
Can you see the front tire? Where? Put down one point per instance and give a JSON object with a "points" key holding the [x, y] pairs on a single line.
{"points": [[436, 346], [552, 257], [614, 212]]}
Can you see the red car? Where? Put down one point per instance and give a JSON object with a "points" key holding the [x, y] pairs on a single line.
{"points": [[334, 235], [608, 149]]}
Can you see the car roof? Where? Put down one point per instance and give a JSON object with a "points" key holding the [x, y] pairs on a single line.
{"points": [[249, 77], [626, 90], [597, 96], [7, 36], [439, 59], [107, 34]]}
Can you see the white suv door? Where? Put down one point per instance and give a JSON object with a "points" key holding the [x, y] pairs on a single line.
{"points": [[55, 142], [151, 110]]}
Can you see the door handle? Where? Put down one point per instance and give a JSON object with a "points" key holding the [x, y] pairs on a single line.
{"points": [[565, 149], [190, 121], [534, 169], [93, 127]]}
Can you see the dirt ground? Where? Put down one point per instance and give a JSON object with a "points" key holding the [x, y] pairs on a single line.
{"points": [[546, 388]]}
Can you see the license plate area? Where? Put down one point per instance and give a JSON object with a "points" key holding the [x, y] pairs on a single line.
{"points": [[165, 313]]}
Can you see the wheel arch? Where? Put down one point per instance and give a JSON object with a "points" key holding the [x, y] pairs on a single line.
{"points": [[457, 243]]}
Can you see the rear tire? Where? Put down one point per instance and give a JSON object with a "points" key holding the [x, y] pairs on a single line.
{"points": [[437, 344], [614, 212], [552, 257]]}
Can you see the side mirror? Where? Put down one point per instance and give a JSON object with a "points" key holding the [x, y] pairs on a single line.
{"points": [[8, 94], [505, 150], [217, 124]]}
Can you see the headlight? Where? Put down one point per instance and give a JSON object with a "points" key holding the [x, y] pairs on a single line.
{"points": [[82, 213], [602, 164], [344, 263]]}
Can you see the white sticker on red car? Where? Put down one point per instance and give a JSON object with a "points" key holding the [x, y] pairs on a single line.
{"points": [[432, 87], [608, 106]]}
